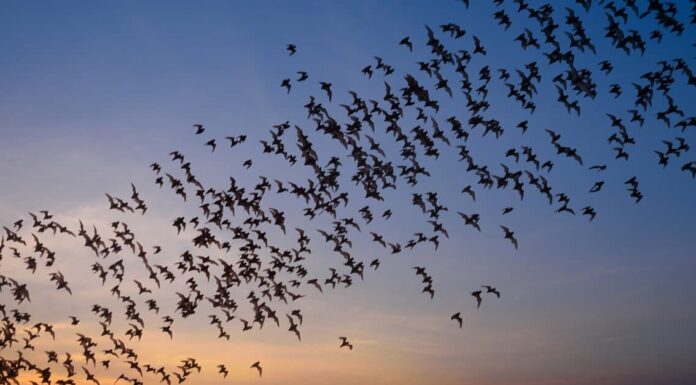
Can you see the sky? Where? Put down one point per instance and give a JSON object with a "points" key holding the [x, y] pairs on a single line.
{"points": [[93, 92]]}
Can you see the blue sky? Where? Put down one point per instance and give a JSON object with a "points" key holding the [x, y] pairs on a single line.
{"points": [[93, 92]]}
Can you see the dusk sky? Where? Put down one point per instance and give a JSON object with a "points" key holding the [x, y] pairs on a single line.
{"points": [[94, 92]]}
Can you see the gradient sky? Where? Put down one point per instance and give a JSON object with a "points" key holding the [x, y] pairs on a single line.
{"points": [[93, 92]]}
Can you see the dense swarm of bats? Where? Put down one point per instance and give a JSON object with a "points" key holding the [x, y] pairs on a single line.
{"points": [[378, 144]]}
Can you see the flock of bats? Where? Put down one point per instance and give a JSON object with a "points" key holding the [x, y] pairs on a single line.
{"points": [[377, 145]]}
